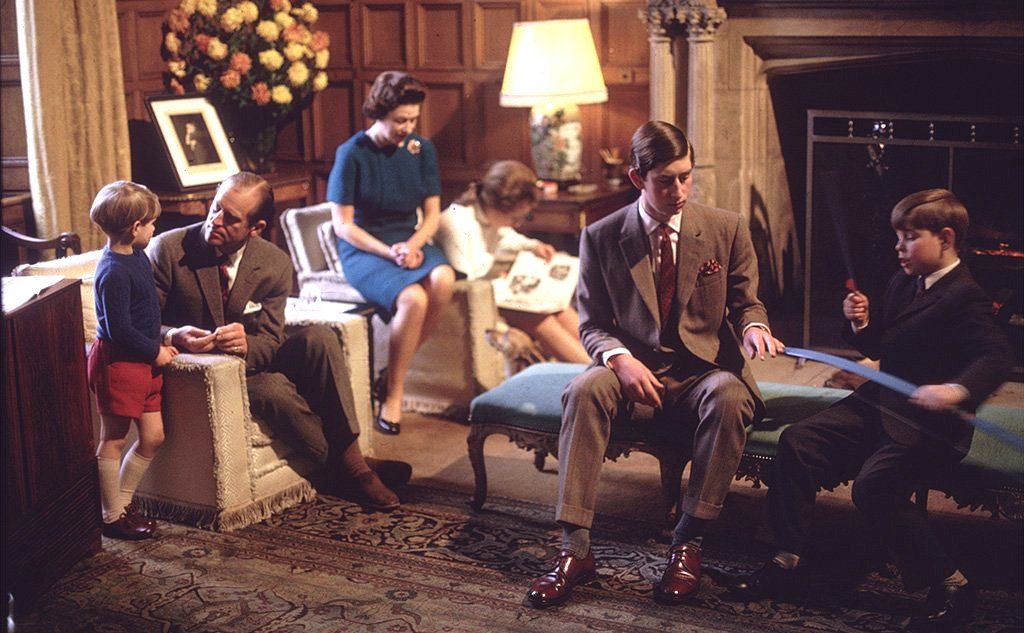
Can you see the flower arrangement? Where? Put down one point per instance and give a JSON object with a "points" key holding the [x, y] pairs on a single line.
{"points": [[260, 61]]}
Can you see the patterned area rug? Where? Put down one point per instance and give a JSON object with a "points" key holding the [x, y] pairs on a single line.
{"points": [[435, 565]]}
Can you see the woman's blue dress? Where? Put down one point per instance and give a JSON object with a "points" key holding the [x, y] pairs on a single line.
{"points": [[385, 186]]}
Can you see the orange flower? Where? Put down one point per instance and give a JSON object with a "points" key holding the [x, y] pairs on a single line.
{"points": [[321, 40], [202, 42], [241, 63], [230, 79], [260, 93], [177, 21], [176, 87], [280, 5], [297, 33]]}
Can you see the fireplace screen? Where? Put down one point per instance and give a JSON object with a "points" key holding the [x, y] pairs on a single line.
{"points": [[859, 164]]}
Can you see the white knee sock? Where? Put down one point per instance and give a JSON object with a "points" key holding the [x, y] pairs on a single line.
{"points": [[110, 489], [133, 468]]}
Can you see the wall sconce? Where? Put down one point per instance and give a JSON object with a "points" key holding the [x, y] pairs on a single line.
{"points": [[552, 68]]}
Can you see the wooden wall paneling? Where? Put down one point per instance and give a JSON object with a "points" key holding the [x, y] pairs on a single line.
{"points": [[492, 26], [559, 9], [443, 120], [385, 35], [336, 117], [440, 36], [336, 20]]}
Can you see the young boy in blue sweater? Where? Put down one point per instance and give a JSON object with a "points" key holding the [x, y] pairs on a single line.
{"points": [[125, 361]]}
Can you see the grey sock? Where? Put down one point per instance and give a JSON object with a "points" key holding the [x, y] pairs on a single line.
{"points": [[576, 540]]}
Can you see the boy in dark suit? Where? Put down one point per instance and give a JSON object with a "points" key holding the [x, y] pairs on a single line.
{"points": [[934, 328]]}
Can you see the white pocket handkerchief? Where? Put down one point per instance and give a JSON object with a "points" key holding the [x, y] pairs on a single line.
{"points": [[252, 307]]}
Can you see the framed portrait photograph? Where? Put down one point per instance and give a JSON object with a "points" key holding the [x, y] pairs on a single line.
{"points": [[193, 138]]}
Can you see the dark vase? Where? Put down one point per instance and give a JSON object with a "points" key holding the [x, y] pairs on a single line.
{"points": [[252, 131]]}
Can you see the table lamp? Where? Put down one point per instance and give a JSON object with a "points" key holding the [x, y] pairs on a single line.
{"points": [[552, 68]]}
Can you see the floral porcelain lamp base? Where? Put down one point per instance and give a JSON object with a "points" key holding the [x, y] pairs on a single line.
{"points": [[555, 140]]}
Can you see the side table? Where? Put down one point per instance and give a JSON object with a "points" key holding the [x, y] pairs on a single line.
{"points": [[293, 187], [565, 214]]}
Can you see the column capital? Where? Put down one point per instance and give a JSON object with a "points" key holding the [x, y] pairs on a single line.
{"points": [[692, 18]]}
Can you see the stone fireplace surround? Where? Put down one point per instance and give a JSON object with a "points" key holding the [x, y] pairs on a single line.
{"points": [[710, 65]]}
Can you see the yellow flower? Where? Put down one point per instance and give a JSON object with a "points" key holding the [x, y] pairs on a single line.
{"points": [[281, 95], [298, 74], [201, 82], [294, 51], [172, 43], [320, 81], [268, 30], [188, 6], [250, 12], [322, 57], [307, 13], [217, 49], [207, 7], [283, 20], [176, 67], [271, 59], [231, 20]]}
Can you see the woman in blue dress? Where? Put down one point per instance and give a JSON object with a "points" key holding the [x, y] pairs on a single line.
{"points": [[379, 180]]}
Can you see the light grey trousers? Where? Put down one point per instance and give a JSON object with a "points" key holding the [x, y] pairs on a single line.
{"points": [[714, 408]]}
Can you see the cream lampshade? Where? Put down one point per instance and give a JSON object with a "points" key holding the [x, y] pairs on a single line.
{"points": [[552, 67]]}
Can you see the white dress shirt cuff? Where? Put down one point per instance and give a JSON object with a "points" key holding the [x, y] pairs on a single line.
{"points": [[605, 356]]}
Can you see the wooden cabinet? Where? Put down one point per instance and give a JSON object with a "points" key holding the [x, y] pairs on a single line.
{"points": [[51, 506], [560, 218]]}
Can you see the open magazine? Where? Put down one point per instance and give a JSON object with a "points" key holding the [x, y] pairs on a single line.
{"points": [[534, 285]]}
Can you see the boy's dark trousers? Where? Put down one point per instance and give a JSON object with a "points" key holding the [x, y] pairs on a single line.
{"points": [[848, 442]]}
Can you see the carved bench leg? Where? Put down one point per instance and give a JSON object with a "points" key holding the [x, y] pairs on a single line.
{"points": [[475, 443], [538, 459]]}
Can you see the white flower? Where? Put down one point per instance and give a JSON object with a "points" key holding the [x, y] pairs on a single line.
{"points": [[172, 43], [201, 82], [176, 67], [217, 49]]}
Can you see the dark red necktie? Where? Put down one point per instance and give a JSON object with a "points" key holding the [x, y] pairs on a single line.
{"points": [[666, 272], [222, 269]]}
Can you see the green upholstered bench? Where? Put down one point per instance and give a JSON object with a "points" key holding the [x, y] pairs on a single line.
{"points": [[527, 408]]}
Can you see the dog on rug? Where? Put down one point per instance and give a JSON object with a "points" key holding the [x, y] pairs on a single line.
{"points": [[519, 350]]}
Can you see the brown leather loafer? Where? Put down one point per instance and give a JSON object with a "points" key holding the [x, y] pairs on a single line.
{"points": [[555, 586], [125, 530], [682, 575]]}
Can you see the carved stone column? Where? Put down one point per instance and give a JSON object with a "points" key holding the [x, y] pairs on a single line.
{"points": [[662, 66], [699, 23]]}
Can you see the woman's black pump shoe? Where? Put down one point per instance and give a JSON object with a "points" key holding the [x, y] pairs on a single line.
{"points": [[388, 427]]}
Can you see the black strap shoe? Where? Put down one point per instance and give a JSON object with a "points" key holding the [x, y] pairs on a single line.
{"points": [[768, 581], [387, 427]]}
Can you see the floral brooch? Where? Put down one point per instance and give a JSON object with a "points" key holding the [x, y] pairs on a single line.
{"points": [[413, 146], [709, 267]]}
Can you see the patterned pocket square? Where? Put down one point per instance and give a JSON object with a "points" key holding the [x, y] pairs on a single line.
{"points": [[709, 267]]}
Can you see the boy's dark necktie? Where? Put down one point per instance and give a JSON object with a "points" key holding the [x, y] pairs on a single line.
{"points": [[666, 272], [919, 287]]}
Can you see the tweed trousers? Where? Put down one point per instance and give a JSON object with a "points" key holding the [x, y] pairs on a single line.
{"points": [[711, 409]]}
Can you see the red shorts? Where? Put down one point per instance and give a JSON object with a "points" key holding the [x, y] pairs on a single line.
{"points": [[123, 387]]}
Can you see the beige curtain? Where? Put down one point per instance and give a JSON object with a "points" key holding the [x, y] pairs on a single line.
{"points": [[75, 113]]}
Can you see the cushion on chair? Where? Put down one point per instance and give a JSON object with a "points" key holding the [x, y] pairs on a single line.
{"points": [[785, 404], [299, 226], [74, 267], [329, 247], [994, 463]]}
